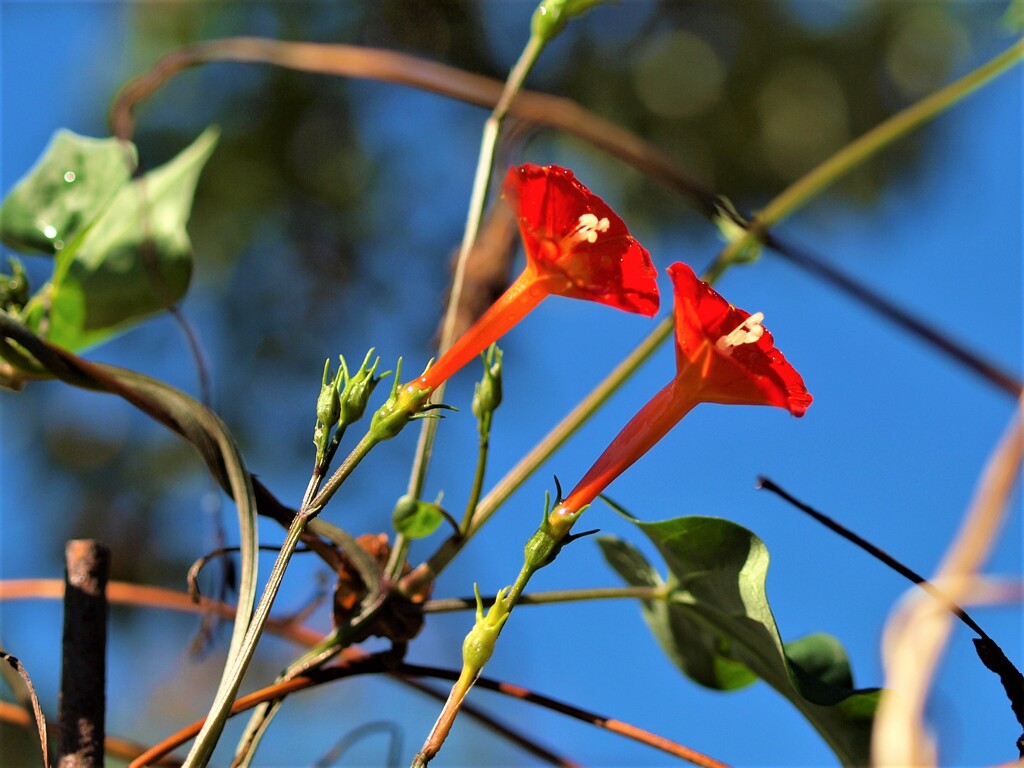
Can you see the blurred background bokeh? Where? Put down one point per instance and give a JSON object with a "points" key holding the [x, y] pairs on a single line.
{"points": [[324, 223]]}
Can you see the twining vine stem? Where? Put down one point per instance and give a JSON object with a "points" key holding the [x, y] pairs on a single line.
{"points": [[448, 605], [203, 747]]}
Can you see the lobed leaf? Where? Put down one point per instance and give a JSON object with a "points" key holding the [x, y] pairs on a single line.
{"points": [[65, 191], [133, 261], [718, 628]]}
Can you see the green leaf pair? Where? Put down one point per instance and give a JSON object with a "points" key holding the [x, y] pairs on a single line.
{"points": [[119, 244], [718, 628]]}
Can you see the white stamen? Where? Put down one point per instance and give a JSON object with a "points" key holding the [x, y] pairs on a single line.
{"points": [[747, 332], [588, 227]]}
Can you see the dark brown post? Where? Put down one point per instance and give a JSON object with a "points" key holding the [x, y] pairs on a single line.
{"points": [[84, 665]]}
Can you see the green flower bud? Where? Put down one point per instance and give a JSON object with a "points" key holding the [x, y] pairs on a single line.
{"points": [[551, 16], [404, 404], [479, 643], [357, 390], [328, 404], [487, 392]]}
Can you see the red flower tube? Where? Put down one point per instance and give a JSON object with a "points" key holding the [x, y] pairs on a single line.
{"points": [[576, 246], [723, 355]]}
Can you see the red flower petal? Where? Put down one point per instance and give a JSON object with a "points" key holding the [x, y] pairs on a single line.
{"points": [[576, 244], [727, 353]]}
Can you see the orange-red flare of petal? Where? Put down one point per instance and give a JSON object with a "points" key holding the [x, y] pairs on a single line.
{"points": [[576, 246], [601, 262], [751, 373], [747, 371]]}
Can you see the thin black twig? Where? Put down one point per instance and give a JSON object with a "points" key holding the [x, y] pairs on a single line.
{"points": [[988, 650], [877, 553]]}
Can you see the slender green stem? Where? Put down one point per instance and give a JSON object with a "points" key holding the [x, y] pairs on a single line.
{"points": [[477, 203], [205, 742], [449, 605], [341, 473], [321, 468], [315, 657], [884, 134], [478, 478]]}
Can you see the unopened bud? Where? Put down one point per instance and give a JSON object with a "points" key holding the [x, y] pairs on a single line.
{"points": [[357, 390], [405, 403], [487, 392], [328, 404], [479, 643], [551, 16]]}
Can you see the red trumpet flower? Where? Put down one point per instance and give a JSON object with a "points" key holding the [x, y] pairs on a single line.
{"points": [[576, 246], [723, 355]]}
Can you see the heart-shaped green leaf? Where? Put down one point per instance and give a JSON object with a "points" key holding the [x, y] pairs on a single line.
{"points": [[718, 628], [136, 259], [65, 192]]}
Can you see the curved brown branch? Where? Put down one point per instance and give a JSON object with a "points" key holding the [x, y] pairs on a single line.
{"points": [[156, 597], [916, 633], [381, 663], [609, 724], [123, 593], [393, 67]]}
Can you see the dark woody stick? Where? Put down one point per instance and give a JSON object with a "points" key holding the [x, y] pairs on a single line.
{"points": [[84, 662]]}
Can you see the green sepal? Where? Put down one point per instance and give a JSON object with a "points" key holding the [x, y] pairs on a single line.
{"points": [[406, 402], [355, 394], [478, 646]]}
